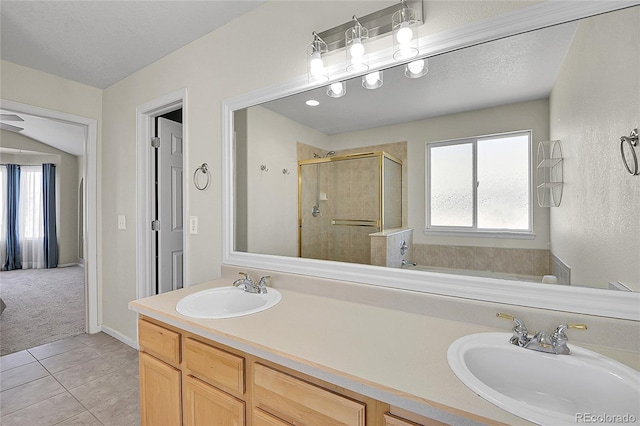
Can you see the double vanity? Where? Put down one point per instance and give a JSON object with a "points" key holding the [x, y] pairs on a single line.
{"points": [[315, 351]]}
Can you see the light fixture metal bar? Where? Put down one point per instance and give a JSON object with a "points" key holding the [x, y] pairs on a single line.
{"points": [[378, 23]]}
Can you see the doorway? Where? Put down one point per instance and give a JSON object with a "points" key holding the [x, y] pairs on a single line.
{"points": [[160, 264], [89, 196], [167, 193]]}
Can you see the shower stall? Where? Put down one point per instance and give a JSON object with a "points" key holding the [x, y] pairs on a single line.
{"points": [[344, 199]]}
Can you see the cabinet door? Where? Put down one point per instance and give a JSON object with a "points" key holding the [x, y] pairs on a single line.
{"points": [[159, 392], [206, 405]]}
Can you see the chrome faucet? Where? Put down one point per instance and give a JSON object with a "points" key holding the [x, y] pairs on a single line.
{"points": [[405, 262], [250, 286], [541, 341]]}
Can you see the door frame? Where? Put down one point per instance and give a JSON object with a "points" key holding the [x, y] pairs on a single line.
{"points": [[90, 201], [145, 116]]}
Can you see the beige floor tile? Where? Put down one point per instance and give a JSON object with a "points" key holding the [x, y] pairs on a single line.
{"points": [[101, 342], [126, 363], [22, 396], [124, 352], [45, 413], [122, 410], [69, 359], [96, 339], [15, 359], [55, 348], [104, 388], [84, 373], [21, 375], [83, 419]]}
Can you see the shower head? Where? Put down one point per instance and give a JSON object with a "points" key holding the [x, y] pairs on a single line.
{"points": [[329, 154]]}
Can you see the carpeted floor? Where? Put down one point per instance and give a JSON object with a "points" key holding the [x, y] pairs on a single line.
{"points": [[43, 305]]}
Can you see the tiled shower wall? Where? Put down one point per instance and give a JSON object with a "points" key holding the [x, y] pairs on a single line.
{"points": [[352, 189]]}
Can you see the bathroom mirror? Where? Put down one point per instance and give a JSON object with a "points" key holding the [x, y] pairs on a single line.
{"points": [[553, 82]]}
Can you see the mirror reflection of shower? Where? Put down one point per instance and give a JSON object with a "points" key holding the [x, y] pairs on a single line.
{"points": [[315, 211]]}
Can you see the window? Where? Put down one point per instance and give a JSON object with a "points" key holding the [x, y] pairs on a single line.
{"points": [[30, 209], [480, 185]]}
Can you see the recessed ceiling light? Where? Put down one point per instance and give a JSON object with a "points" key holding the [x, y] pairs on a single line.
{"points": [[312, 102]]}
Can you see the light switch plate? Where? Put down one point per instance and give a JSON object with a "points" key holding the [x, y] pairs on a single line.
{"points": [[122, 221], [193, 225]]}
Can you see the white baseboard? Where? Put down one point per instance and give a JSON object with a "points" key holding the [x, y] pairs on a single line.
{"points": [[115, 334], [66, 265]]}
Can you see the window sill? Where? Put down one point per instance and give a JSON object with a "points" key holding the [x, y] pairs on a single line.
{"points": [[524, 235]]}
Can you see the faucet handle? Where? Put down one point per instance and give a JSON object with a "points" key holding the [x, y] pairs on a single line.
{"points": [[560, 339], [246, 276], [520, 333], [262, 284]]}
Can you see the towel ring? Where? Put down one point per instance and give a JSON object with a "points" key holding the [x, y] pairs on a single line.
{"points": [[204, 168], [632, 141]]}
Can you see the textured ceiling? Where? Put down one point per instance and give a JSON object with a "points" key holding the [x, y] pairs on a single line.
{"points": [[101, 42]]}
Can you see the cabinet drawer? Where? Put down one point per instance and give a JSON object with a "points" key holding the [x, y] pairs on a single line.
{"points": [[159, 341], [260, 418], [299, 402], [215, 366]]}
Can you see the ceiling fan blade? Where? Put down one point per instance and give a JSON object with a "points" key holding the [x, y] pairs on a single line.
{"points": [[10, 117], [10, 128]]}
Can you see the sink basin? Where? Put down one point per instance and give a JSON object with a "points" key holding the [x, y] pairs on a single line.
{"points": [[545, 388], [226, 302]]}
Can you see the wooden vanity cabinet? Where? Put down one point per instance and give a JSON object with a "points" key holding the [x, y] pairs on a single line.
{"points": [[186, 379]]}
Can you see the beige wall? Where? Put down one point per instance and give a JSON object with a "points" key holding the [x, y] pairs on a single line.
{"points": [[66, 188], [600, 200], [244, 55], [273, 196]]}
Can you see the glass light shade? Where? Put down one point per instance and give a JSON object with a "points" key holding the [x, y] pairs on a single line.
{"points": [[416, 69], [355, 39], [405, 34], [372, 80], [316, 66], [337, 90]]}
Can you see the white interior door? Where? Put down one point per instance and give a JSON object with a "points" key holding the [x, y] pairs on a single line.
{"points": [[170, 216]]}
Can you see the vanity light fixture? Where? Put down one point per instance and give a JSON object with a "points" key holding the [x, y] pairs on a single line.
{"points": [[405, 23], [416, 69], [317, 69], [312, 103], [354, 39], [337, 90], [373, 80]]}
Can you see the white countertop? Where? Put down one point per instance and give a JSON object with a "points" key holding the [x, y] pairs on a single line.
{"points": [[390, 355]]}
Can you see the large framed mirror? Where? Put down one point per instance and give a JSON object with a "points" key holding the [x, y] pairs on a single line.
{"points": [[549, 72]]}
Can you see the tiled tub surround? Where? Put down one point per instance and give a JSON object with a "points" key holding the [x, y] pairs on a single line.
{"points": [[386, 247], [90, 379], [496, 259], [384, 343]]}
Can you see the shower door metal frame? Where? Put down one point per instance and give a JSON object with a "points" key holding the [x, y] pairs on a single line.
{"points": [[381, 155]]}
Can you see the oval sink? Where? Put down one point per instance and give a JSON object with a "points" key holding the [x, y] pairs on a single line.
{"points": [[226, 302], [548, 389]]}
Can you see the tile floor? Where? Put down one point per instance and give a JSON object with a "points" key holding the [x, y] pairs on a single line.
{"points": [[83, 380]]}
